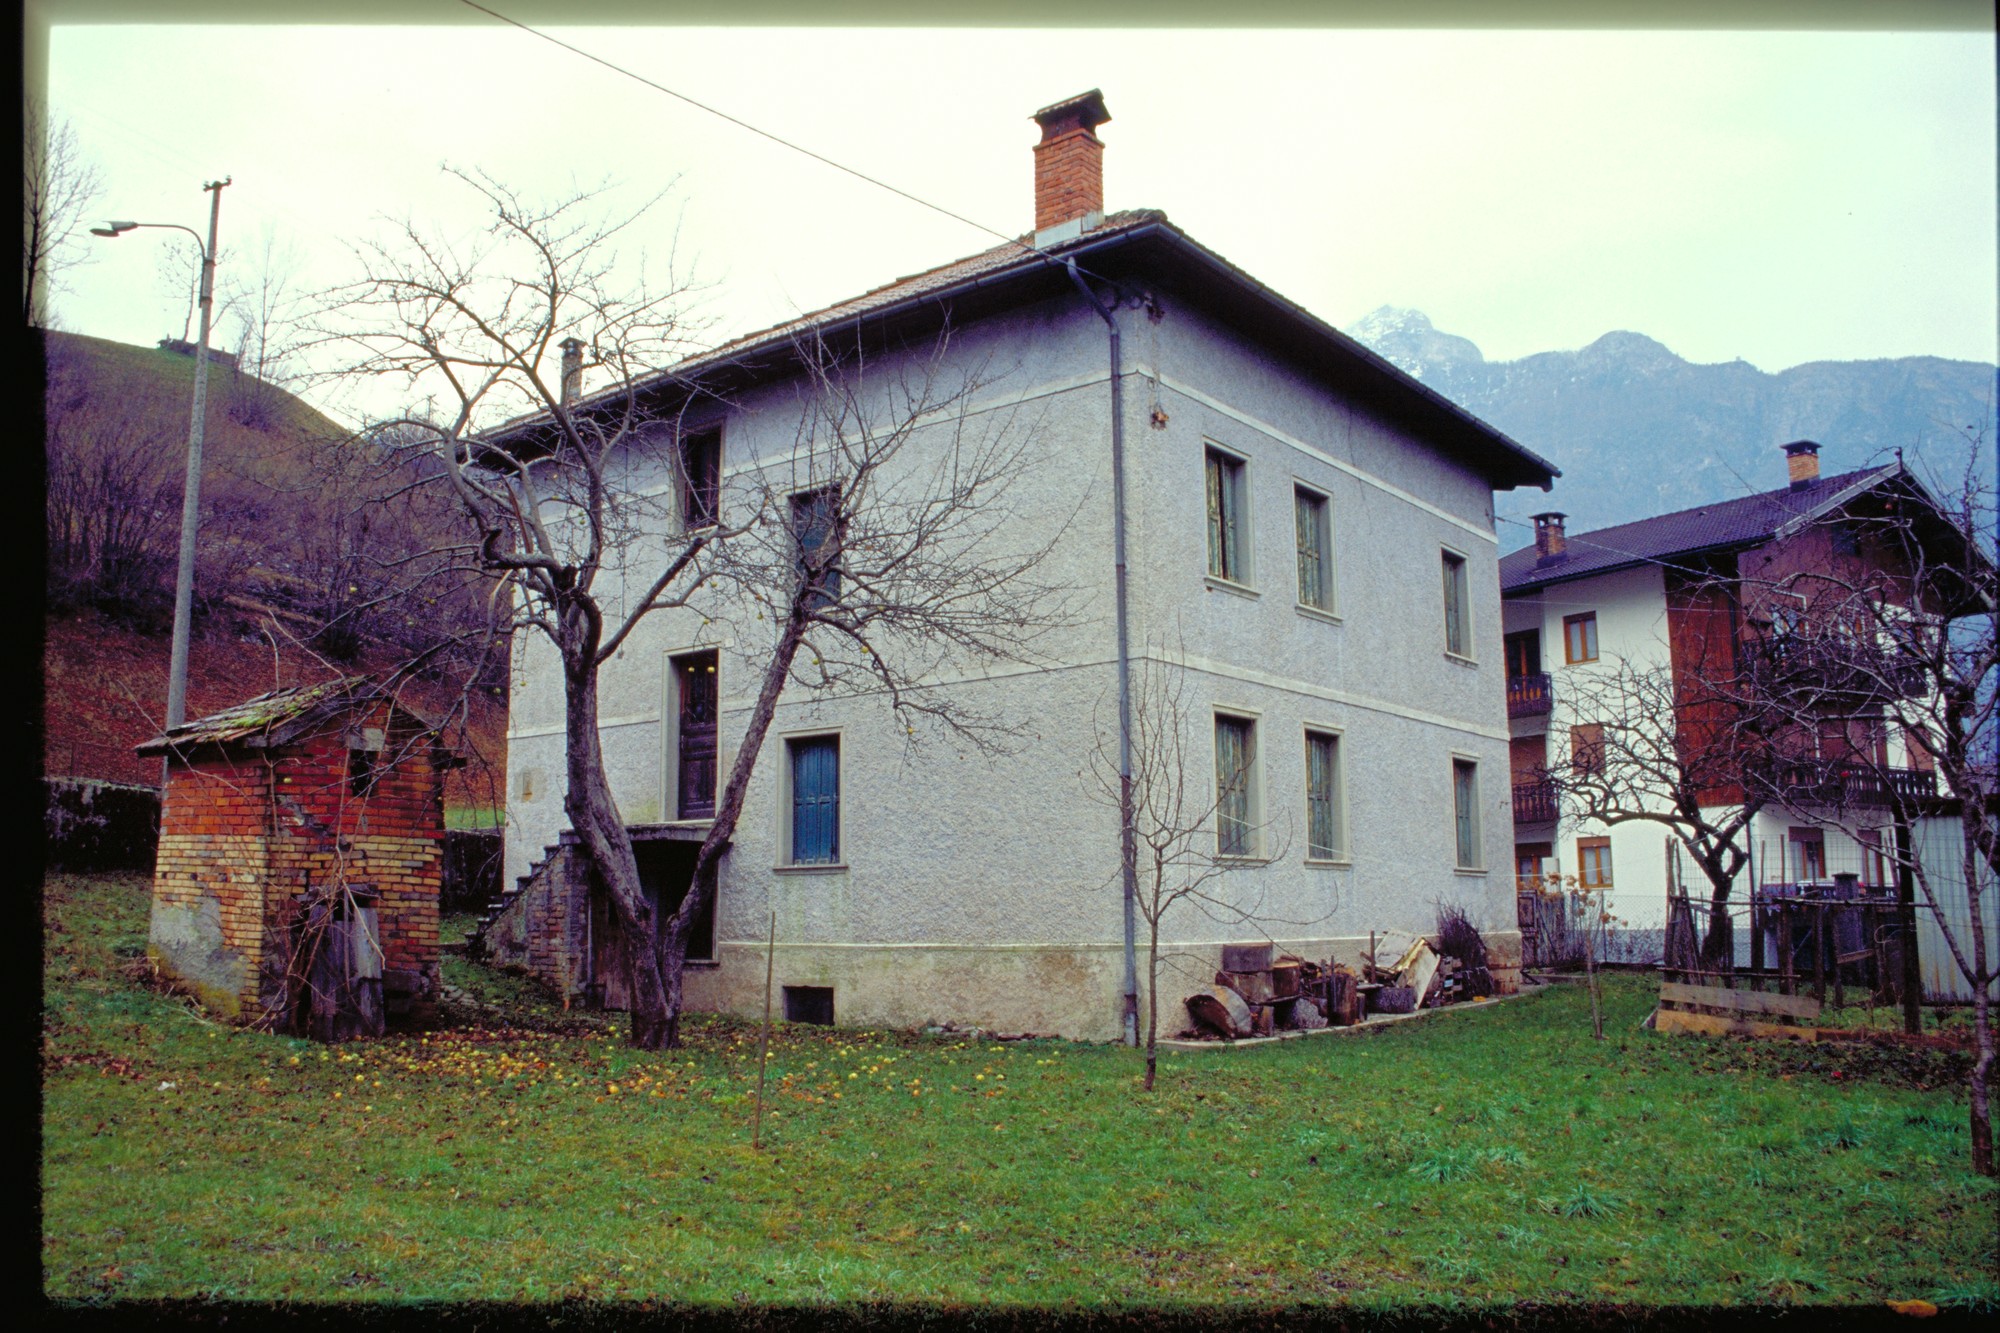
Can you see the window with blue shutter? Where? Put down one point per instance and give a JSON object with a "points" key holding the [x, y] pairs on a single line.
{"points": [[815, 800]]}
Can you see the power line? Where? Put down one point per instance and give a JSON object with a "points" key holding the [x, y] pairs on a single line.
{"points": [[766, 134]]}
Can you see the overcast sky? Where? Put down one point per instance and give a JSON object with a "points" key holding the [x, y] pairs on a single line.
{"points": [[1780, 197]]}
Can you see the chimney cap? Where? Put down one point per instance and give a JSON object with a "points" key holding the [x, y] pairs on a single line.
{"points": [[1085, 111], [1550, 516], [1797, 447]]}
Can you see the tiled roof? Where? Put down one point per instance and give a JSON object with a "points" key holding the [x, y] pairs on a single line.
{"points": [[1508, 460], [1731, 523], [269, 719]]}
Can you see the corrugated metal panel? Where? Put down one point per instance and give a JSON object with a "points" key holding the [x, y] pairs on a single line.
{"points": [[1940, 848]]}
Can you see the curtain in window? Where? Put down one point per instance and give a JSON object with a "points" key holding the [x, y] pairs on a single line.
{"points": [[1312, 561], [1465, 804], [1233, 757], [816, 801], [1323, 796]]}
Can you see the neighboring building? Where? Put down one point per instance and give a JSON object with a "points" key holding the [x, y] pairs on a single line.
{"points": [[1296, 505], [299, 865], [1696, 593]]}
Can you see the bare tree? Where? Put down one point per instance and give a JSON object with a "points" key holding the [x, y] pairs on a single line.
{"points": [[877, 552], [1680, 749], [263, 304], [59, 187], [1186, 815], [1885, 660]]}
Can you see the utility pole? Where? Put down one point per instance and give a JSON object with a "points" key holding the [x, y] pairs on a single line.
{"points": [[177, 669]]}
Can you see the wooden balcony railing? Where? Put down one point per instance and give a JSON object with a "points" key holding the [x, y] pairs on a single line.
{"points": [[1860, 785], [1534, 803], [1529, 696]]}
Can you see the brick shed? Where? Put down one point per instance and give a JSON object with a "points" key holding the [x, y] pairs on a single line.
{"points": [[301, 859]]}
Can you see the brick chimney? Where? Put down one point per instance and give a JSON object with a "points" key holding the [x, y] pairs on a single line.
{"points": [[1802, 461], [1069, 166], [572, 369], [1549, 539]]}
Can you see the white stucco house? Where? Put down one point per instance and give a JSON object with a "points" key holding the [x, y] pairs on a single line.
{"points": [[1668, 594], [1310, 543]]}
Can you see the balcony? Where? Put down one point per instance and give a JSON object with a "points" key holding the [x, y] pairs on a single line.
{"points": [[1820, 665], [1846, 786], [1534, 803], [1529, 696]]}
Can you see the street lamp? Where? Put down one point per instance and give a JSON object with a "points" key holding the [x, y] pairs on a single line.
{"points": [[191, 496]]}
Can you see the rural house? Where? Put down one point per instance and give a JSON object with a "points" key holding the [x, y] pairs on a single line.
{"points": [[299, 865], [1311, 552], [1718, 601]]}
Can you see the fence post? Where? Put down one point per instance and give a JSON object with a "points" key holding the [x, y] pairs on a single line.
{"points": [[1906, 914], [1756, 921], [1819, 952]]}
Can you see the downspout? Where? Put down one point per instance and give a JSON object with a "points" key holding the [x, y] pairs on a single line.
{"points": [[1128, 843]]}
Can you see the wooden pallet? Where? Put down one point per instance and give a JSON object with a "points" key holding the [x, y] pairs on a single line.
{"points": [[1716, 1011]]}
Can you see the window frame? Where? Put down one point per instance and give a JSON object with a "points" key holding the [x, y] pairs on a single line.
{"points": [[787, 808], [1457, 574], [1586, 748], [1321, 505], [1603, 864], [1341, 853], [827, 591], [685, 491], [1248, 847], [1581, 619], [1226, 516], [1468, 829]]}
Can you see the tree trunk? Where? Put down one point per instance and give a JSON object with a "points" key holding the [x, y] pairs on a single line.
{"points": [[1982, 1008], [1152, 1003], [593, 814], [672, 957]]}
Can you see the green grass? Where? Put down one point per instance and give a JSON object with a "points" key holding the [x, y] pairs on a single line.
{"points": [[474, 817], [1479, 1159]]}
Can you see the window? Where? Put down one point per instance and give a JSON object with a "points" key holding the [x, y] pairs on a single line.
{"points": [[1315, 542], [815, 782], [1326, 839], [809, 1004], [1228, 532], [1808, 854], [1524, 653], [364, 759], [1457, 607], [1235, 786], [1465, 812], [1586, 747], [816, 528], [1580, 638], [701, 480], [694, 740], [1593, 862], [1874, 863]]}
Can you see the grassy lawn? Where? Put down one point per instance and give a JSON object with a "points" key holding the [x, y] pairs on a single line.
{"points": [[1487, 1157]]}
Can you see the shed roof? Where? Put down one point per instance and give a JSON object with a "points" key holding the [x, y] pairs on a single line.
{"points": [[1688, 532], [277, 718]]}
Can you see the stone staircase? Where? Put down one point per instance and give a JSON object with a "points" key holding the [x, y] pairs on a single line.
{"points": [[475, 939]]}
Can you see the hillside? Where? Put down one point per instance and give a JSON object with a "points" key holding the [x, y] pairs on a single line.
{"points": [[1638, 430], [294, 537]]}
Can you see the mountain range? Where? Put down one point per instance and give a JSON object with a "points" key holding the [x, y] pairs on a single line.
{"points": [[1639, 430]]}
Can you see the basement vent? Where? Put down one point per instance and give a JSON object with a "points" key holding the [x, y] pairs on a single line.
{"points": [[809, 1004]]}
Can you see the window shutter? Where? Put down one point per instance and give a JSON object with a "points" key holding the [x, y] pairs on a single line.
{"points": [[1323, 796], [816, 801], [1216, 564], [1463, 803]]}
